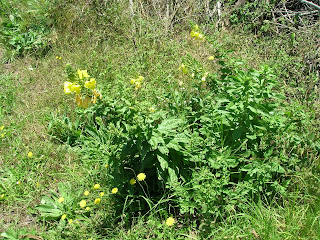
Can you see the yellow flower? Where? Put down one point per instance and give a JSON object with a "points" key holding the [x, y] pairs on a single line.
{"points": [[211, 58], [90, 84], [82, 74], [2, 135], [57, 57], [101, 194], [133, 181], [18, 183], [170, 221], [192, 34], [61, 199], [2, 127], [183, 69], [95, 96], [204, 78], [82, 203], [68, 87], [97, 201], [96, 186], [38, 184], [76, 88], [70, 221], [138, 85], [86, 193], [84, 103], [87, 208], [107, 165], [64, 216], [140, 78], [133, 81], [30, 154], [141, 176], [200, 37], [114, 190], [152, 109], [60, 58], [2, 196]]}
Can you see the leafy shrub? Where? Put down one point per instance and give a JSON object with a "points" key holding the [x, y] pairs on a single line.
{"points": [[214, 151]]}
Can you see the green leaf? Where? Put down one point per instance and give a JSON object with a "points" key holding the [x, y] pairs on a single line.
{"points": [[163, 149], [168, 125], [163, 160]]}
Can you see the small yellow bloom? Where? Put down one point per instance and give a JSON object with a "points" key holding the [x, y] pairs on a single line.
{"points": [[192, 33], [30, 154], [114, 190], [90, 84], [141, 176], [70, 221], [211, 58], [101, 194], [2, 196], [170, 221], [68, 87], [133, 81], [133, 181], [64, 216], [2, 127], [183, 68], [83, 102], [2, 135], [87, 208], [138, 85], [140, 78], [96, 186], [76, 88], [152, 109], [86, 193], [82, 203], [60, 200], [97, 201], [18, 183], [204, 78], [107, 165], [60, 58], [82, 74], [38, 184]]}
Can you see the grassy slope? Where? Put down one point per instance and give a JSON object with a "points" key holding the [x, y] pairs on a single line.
{"points": [[30, 96]]}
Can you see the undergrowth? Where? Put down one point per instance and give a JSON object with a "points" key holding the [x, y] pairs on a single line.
{"points": [[165, 131]]}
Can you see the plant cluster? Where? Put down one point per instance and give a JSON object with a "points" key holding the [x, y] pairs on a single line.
{"points": [[213, 150], [19, 34]]}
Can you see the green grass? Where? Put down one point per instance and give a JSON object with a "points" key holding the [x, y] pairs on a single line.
{"points": [[32, 98]]}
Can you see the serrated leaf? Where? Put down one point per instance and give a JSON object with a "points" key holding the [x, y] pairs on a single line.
{"points": [[169, 124], [163, 149]]}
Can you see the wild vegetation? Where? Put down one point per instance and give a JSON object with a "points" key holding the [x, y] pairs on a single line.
{"points": [[159, 119]]}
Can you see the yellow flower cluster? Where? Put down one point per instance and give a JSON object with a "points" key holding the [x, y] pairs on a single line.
{"points": [[195, 33], [137, 82], [83, 81]]}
